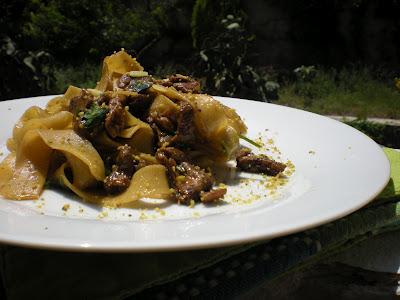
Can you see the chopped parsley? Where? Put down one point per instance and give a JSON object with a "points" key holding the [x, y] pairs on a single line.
{"points": [[94, 116], [139, 85]]}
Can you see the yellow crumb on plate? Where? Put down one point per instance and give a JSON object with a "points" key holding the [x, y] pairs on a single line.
{"points": [[192, 203], [65, 207], [102, 215]]}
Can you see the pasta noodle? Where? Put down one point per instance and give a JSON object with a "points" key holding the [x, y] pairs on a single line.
{"points": [[114, 66], [138, 134], [29, 165], [149, 182]]}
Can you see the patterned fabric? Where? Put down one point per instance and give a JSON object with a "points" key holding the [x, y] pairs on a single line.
{"points": [[252, 268]]}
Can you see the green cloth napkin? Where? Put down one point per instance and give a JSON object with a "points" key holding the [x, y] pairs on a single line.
{"points": [[205, 274], [393, 187]]}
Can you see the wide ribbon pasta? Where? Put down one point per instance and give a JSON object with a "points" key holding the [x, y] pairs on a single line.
{"points": [[37, 118], [163, 106], [219, 125], [23, 173], [148, 182], [137, 134], [114, 66]]}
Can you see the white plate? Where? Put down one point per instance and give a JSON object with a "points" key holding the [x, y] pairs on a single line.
{"points": [[337, 170]]}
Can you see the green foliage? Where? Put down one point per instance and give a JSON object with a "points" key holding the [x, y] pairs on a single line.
{"points": [[201, 19], [86, 27], [224, 64], [23, 72], [205, 17], [219, 33], [84, 75], [373, 130], [312, 84], [164, 69], [387, 135], [305, 73], [349, 91]]}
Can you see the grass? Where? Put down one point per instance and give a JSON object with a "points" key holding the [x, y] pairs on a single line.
{"points": [[354, 92]]}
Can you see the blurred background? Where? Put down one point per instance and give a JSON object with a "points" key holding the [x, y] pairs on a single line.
{"points": [[335, 57]]}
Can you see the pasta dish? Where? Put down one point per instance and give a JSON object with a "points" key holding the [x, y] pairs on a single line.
{"points": [[133, 136]]}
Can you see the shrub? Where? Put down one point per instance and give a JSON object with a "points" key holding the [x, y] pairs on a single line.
{"points": [[223, 59], [71, 28], [23, 72], [387, 135], [85, 75]]}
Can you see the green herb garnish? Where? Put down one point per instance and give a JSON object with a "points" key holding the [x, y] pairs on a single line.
{"points": [[94, 116], [249, 141], [139, 85]]}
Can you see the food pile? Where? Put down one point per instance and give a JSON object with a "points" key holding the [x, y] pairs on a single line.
{"points": [[133, 136]]}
